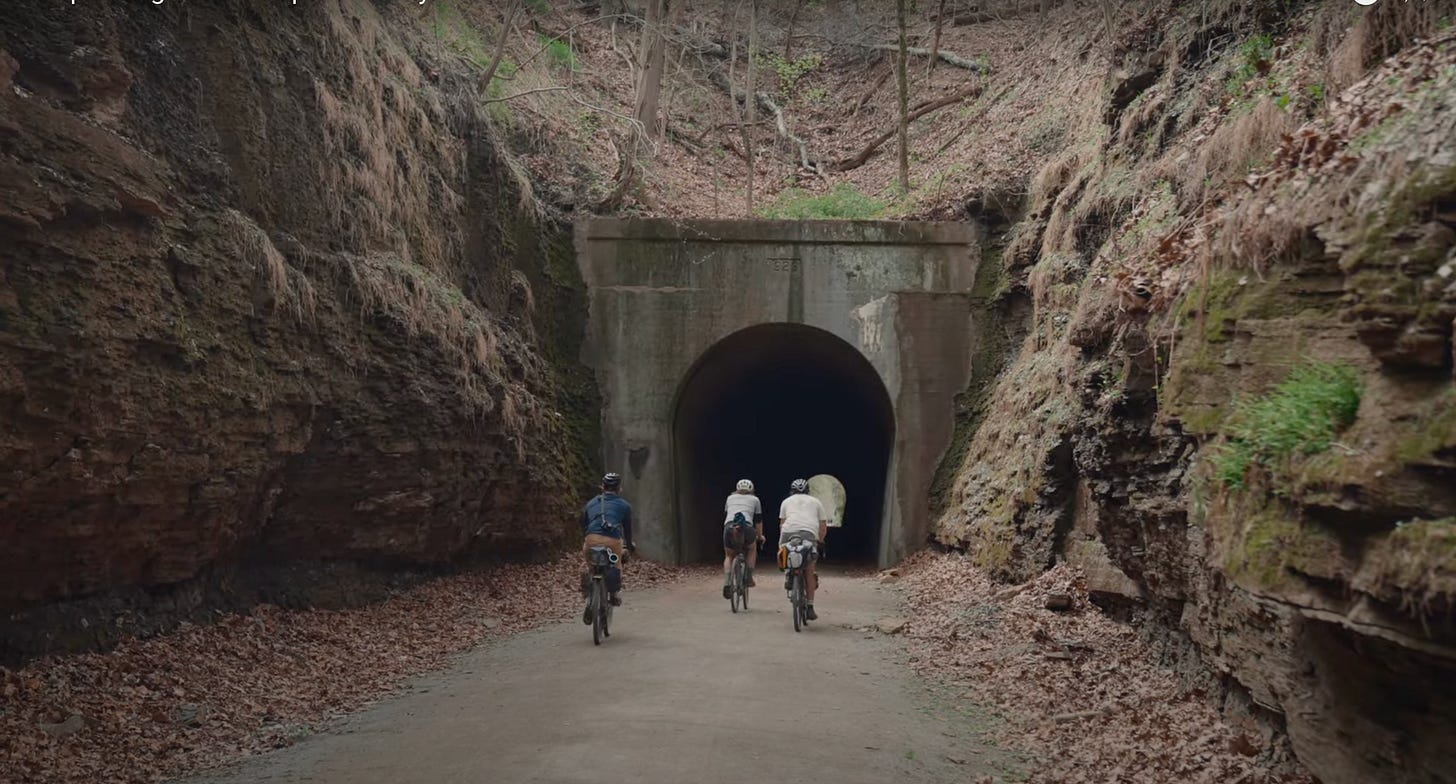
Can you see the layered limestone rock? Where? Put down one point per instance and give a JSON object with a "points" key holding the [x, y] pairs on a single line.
{"points": [[1310, 585], [270, 294]]}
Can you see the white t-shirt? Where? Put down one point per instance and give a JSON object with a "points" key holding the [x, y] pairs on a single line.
{"points": [[801, 512], [747, 503]]}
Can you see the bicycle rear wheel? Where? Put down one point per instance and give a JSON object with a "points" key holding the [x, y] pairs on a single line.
{"points": [[736, 592], [796, 599], [597, 600]]}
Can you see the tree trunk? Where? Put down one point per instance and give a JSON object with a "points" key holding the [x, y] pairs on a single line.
{"points": [[653, 60], [901, 77], [935, 42], [752, 105], [500, 47], [789, 39]]}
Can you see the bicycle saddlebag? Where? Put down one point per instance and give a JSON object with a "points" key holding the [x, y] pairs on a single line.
{"points": [[601, 556]]}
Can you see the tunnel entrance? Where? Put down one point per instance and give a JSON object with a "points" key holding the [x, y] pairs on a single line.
{"points": [[773, 403]]}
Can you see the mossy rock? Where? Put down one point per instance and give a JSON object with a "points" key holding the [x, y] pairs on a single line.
{"points": [[1417, 563]]}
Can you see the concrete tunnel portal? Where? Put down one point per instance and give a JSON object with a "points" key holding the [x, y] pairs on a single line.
{"points": [[773, 403], [773, 350]]}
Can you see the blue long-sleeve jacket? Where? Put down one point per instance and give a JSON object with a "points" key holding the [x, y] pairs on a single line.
{"points": [[610, 515]]}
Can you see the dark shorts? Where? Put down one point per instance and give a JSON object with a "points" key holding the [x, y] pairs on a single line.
{"points": [[739, 537], [785, 536]]}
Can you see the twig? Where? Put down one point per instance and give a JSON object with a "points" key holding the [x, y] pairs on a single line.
{"points": [[524, 93]]}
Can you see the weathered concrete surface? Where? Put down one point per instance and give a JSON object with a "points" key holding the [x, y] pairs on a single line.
{"points": [[682, 691], [663, 292]]}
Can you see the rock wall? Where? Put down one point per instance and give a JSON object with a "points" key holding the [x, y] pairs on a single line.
{"points": [[1221, 231], [270, 295]]}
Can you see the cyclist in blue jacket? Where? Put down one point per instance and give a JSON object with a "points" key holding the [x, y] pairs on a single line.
{"points": [[607, 522]]}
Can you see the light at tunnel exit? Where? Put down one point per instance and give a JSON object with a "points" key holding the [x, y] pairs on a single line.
{"points": [[775, 403]]}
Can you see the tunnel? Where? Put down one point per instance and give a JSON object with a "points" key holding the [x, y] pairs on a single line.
{"points": [[774, 403]]}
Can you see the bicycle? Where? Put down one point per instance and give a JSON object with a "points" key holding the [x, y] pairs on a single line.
{"points": [[738, 537], [739, 583], [796, 558], [599, 605]]}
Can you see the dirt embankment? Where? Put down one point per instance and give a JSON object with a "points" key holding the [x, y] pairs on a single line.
{"points": [[1233, 409], [272, 302]]}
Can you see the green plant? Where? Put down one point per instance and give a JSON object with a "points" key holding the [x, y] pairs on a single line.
{"points": [[789, 71], [842, 202], [1316, 91], [1300, 416], [816, 95], [539, 6], [1254, 59], [559, 51]]}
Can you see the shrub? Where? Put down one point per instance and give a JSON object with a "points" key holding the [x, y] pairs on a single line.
{"points": [[842, 202], [559, 51], [1299, 417]]}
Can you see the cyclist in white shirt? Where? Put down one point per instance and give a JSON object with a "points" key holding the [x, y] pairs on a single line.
{"points": [[742, 530], [803, 516]]}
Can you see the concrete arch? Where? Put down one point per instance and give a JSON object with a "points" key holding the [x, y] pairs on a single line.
{"points": [[775, 402]]}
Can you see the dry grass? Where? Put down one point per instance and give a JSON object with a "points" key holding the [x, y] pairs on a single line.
{"points": [[388, 166], [427, 306], [1236, 149], [286, 288]]}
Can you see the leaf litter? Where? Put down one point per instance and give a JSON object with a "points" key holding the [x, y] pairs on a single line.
{"points": [[1079, 692], [204, 696]]}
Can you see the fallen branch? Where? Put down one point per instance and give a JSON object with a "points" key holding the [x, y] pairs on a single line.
{"points": [[923, 109], [767, 102], [870, 93], [720, 126], [1063, 718], [953, 59], [773, 108], [524, 93]]}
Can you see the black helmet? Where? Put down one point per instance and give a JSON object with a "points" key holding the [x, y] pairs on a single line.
{"points": [[611, 481], [799, 486]]}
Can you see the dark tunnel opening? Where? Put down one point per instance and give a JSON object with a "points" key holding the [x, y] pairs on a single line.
{"points": [[774, 403]]}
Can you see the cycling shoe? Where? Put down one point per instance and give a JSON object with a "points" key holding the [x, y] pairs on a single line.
{"points": [[810, 614]]}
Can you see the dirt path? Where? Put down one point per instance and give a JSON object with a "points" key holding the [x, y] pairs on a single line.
{"points": [[682, 691]]}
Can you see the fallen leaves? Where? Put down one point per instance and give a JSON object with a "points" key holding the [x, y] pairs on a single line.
{"points": [[1080, 692], [204, 696]]}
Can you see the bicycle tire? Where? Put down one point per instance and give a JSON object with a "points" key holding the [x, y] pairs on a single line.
{"points": [[796, 599], [736, 593], [596, 602], [607, 618]]}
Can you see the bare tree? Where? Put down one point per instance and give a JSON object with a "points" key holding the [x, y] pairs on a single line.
{"points": [[904, 83], [652, 59], [500, 44], [935, 42], [789, 37], [751, 110]]}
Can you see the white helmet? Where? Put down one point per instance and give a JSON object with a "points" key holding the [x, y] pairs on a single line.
{"points": [[745, 486]]}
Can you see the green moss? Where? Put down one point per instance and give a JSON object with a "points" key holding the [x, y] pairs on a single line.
{"points": [[1275, 546], [1298, 417], [996, 349], [1435, 432], [1418, 560]]}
